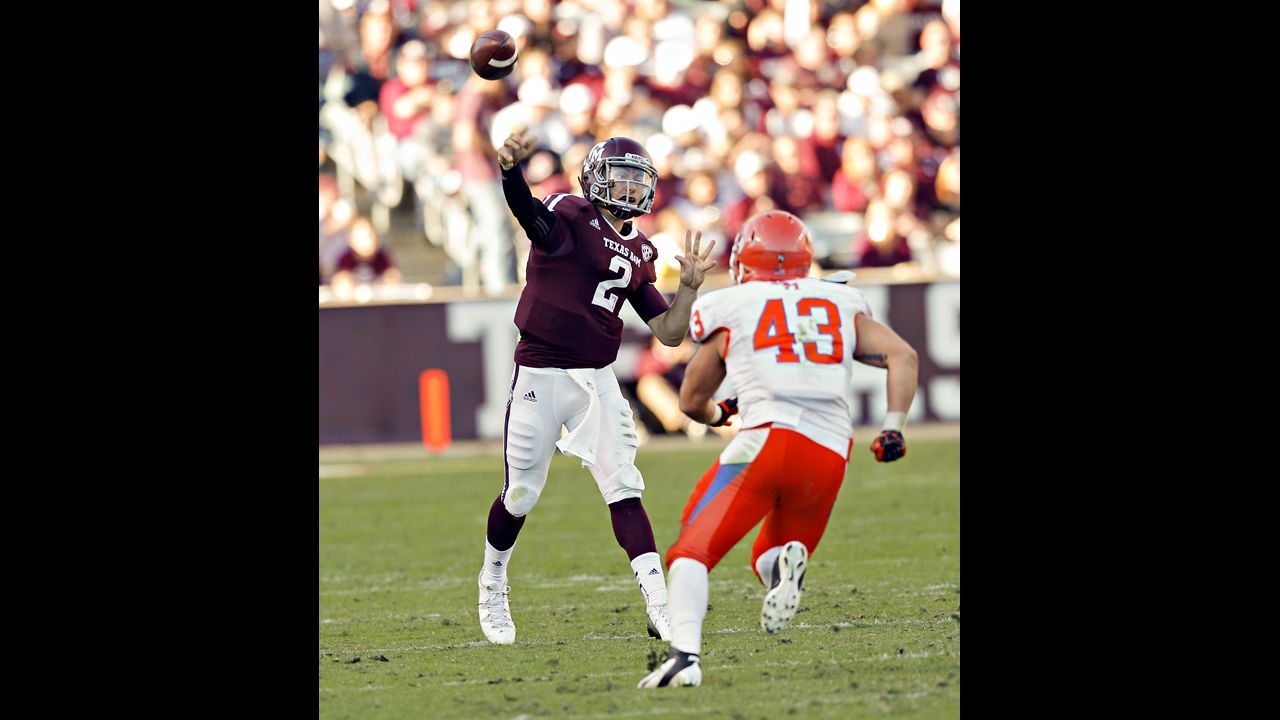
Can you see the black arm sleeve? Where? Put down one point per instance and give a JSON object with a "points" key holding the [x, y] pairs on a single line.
{"points": [[537, 221]]}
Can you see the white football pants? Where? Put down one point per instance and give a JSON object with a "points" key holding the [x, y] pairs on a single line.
{"points": [[544, 399]]}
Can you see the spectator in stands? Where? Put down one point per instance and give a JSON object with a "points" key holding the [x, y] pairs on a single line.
{"points": [[790, 189], [786, 117], [941, 111], [938, 65], [820, 150], [364, 263], [815, 63], [880, 244], [406, 101], [476, 162], [855, 183], [377, 38], [751, 171], [698, 208], [842, 37], [850, 78], [437, 187], [948, 182], [336, 214]]}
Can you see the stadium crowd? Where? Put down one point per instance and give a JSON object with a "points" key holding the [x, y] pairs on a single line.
{"points": [[843, 112]]}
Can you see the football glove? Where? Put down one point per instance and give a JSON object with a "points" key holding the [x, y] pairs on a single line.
{"points": [[889, 446], [728, 407]]}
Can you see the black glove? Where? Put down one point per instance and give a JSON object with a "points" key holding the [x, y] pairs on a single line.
{"points": [[889, 446], [728, 407]]}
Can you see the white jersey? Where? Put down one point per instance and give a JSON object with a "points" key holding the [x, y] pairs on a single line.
{"points": [[790, 352]]}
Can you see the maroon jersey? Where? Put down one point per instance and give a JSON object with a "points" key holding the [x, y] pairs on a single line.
{"points": [[365, 270], [568, 311]]}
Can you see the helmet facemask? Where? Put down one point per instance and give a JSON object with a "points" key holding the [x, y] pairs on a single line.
{"points": [[625, 185]]}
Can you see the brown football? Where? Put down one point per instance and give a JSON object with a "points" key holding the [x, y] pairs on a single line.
{"points": [[493, 55]]}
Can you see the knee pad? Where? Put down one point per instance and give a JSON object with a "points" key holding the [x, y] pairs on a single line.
{"points": [[627, 482], [519, 500]]}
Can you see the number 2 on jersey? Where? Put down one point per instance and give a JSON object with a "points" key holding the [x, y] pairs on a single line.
{"points": [[772, 331], [609, 302]]}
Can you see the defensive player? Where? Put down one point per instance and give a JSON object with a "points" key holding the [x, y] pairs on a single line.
{"points": [[787, 343]]}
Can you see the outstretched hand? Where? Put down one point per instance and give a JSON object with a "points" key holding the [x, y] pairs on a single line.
{"points": [[696, 261], [517, 147]]}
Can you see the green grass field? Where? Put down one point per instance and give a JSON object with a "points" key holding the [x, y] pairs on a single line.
{"points": [[401, 542]]}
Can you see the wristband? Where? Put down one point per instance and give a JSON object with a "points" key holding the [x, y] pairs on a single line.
{"points": [[894, 421]]}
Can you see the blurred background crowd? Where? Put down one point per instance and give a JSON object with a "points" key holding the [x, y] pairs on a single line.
{"points": [[844, 112]]}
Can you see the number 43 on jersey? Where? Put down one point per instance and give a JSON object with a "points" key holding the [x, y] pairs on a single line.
{"points": [[772, 331]]}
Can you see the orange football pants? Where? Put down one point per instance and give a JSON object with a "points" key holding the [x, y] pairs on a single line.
{"points": [[792, 484]]}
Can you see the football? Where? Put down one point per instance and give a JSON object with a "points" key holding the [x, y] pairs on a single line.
{"points": [[493, 55]]}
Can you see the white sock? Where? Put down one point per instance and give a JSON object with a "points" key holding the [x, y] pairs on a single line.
{"points": [[688, 604], [765, 563], [648, 569], [495, 564]]}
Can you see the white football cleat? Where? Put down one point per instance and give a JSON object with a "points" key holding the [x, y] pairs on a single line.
{"points": [[659, 623], [680, 670], [783, 598], [495, 613]]}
